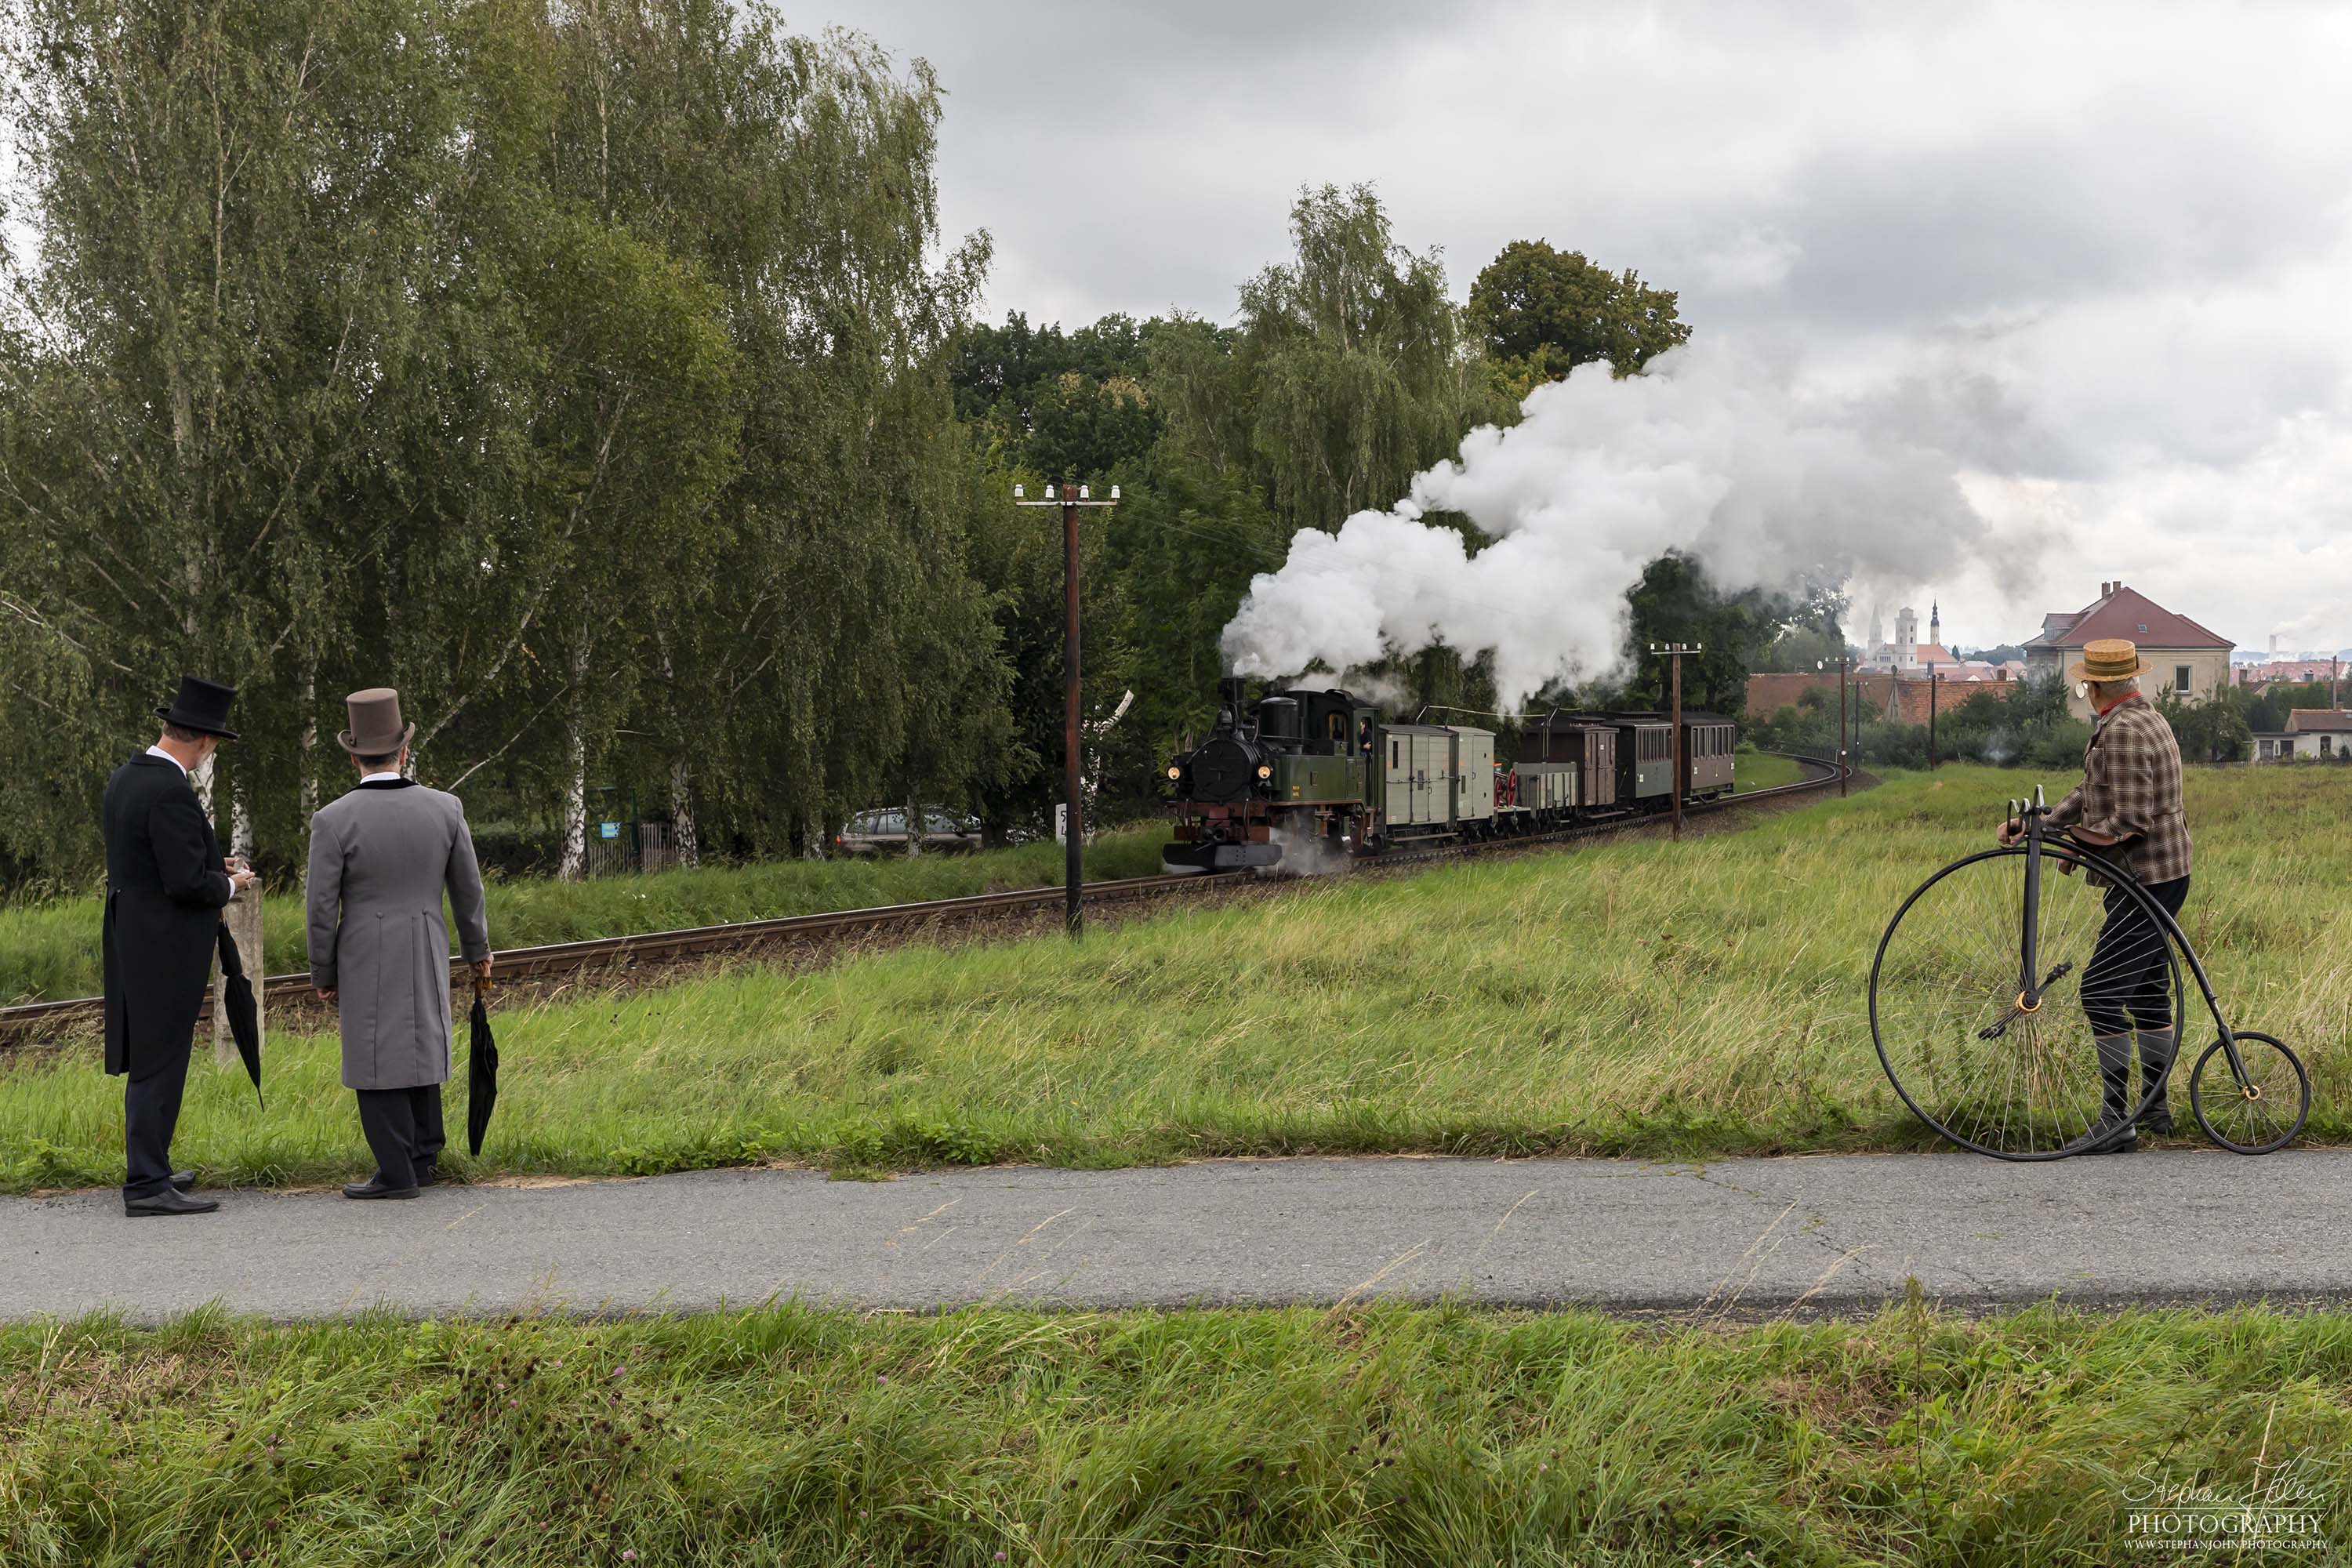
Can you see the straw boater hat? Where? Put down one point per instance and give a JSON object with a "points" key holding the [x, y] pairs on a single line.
{"points": [[2107, 658], [377, 730]]}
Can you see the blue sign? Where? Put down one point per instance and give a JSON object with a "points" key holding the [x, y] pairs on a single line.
{"points": [[609, 829]]}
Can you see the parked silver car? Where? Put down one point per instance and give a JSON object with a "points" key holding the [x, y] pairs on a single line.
{"points": [[884, 832]]}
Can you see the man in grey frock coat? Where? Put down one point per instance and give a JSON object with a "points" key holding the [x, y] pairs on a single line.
{"points": [[380, 859]]}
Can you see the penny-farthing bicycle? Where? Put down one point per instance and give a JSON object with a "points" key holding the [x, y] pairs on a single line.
{"points": [[1976, 1005]]}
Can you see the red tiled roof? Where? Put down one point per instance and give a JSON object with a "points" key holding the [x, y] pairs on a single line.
{"points": [[2318, 720], [2126, 612]]}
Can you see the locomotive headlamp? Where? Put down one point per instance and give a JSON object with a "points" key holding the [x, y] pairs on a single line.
{"points": [[1175, 771], [1265, 772]]}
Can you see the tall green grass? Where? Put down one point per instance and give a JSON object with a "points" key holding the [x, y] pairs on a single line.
{"points": [[51, 949], [1382, 1436], [1641, 998]]}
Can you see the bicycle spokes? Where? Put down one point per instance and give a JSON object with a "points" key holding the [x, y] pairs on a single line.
{"points": [[2251, 1098], [1998, 1053], [2037, 1069]]}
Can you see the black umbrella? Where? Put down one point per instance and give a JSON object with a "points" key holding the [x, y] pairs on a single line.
{"points": [[482, 1067], [244, 1013]]}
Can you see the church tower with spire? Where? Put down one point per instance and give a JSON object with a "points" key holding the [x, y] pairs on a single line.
{"points": [[1934, 624]]}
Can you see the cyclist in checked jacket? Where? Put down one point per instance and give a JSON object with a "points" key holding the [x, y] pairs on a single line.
{"points": [[2129, 806]]}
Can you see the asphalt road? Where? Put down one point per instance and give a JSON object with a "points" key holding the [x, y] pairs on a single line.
{"points": [[1736, 1237]]}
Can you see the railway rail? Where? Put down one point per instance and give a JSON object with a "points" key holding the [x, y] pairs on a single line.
{"points": [[697, 942]]}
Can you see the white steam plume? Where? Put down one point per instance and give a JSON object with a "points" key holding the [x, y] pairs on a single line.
{"points": [[1721, 456]]}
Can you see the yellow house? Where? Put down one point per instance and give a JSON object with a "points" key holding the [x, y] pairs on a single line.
{"points": [[2185, 657]]}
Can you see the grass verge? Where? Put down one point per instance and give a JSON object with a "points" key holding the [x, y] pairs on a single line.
{"points": [[50, 951], [1383, 1435], [1645, 998], [1757, 770]]}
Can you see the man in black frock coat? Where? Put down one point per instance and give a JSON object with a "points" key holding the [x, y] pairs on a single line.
{"points": [[165, 883]]}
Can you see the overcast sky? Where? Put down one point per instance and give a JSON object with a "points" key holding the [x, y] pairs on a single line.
{"points": [[2104, 246]]}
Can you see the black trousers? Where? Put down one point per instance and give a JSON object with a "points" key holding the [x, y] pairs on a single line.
{"points": [[151, 1111], [404, 1130], [2129, 979]]}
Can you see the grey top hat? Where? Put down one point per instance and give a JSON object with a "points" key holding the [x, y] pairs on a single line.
{"points": [[377, 730]]}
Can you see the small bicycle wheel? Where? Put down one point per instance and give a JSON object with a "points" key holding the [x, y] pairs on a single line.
{"points": [[2263, 1112], [1947, 1006]]}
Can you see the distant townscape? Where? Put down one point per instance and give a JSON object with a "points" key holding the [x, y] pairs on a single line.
{"points": [[1921, 700]]}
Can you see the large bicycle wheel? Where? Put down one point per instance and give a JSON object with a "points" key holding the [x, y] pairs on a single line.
{"points": [[2260, 1112], [1948, 1012]]}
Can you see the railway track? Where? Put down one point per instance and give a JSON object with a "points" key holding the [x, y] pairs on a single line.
{"points": [[697, 942]]}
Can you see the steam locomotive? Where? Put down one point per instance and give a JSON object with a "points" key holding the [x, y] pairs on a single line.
{"points": [[1301, 777]]}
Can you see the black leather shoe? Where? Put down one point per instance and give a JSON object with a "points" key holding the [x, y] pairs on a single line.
{"points": [[428, 1176], [2111, 1137], [168, 1201], [183, 1181], [373, 1187]]}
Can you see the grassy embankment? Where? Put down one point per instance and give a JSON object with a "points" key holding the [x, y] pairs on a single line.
{"points": [[51, 949], [1639, 998], [1755, 769], [1381, 1435]]}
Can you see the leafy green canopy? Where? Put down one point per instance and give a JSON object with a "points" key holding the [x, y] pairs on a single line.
{"points": [[1542, 312], [580, 371]]}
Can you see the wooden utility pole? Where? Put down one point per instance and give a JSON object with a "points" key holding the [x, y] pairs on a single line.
{"points": [[1822, 665], [1673, 653], [1845, 767], [1072, 497]]}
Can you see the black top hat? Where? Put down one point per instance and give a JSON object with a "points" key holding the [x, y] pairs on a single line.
{"points": [[202, 706]]}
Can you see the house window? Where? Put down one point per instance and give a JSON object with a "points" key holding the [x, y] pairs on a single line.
{"points": [[2180, 678]]}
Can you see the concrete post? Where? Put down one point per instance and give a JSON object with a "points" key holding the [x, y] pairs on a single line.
{"points": [[243, 914]]}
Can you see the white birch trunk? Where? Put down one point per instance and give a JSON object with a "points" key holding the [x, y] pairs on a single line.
{"points": [[575, 782], [683, 843], [240, 825], [914, 829], [309, 760]]}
